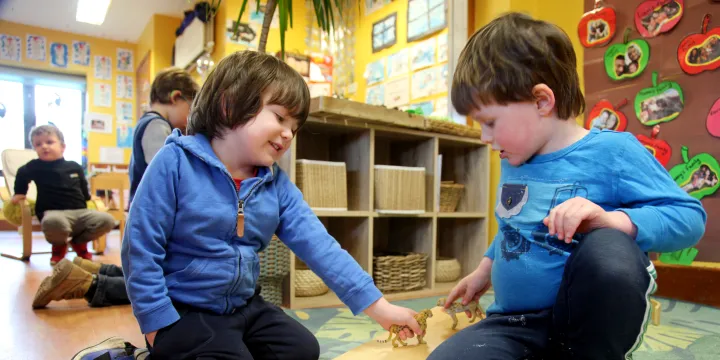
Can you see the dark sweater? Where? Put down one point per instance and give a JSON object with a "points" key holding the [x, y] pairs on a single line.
{"points": [[61, 185]]}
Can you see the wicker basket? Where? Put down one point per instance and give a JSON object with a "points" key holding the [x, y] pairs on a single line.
{"points": [[449, 127], [323, 184], [271, 290], [399, 189], [275, 259], [447, 269], [307, 283], [399, 271], [450, 194]]}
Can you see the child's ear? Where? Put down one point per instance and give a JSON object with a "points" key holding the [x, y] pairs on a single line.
{"points": [[544, 99], [174, 95]]}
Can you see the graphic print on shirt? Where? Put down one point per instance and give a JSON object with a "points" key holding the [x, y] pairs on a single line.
{"points": [[512, 199], [541, 232]]}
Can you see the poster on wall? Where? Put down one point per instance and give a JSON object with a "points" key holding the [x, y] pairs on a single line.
{"points": [[441, 107], [123, 110], [422, 54], [36, 47], [375, 71], [99, 123], [124, 134], [59, 55], [10, 47], [442, 47], [397, 63], [124, 60], [424, 83], [441, 86], [81, 53], [374, 5], [103, 67], [375, 95], [654, 17], [124, 87], [397, 92], [248, 33], [102, 95]]}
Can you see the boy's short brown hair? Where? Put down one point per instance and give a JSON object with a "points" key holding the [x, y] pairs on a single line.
{"points": [[233, 93], [47, 130], [170, 80], [505, 59]]}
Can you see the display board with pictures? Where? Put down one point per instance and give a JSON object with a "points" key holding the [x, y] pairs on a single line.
{"points": [[689, 134], [384, 33]]}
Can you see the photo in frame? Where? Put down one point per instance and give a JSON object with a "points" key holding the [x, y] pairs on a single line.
{"points": [[606, 116], [660, 103], [597, 27], [700, 51], [654, 17], [628, 59], [659, 148], [698, 175]]}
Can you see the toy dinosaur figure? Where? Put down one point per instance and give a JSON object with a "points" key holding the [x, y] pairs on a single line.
{"points": [[421, 318], [457, 307]]}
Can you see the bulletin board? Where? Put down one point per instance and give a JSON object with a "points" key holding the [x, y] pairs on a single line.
{"points": [[699, 91]]}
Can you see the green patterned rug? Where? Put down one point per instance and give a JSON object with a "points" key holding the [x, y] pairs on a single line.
{"points": [[687, 331]]}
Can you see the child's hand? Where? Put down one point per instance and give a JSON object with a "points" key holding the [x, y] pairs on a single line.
{"points": [[575, 215], [16, 199], [471, 288], [151, 337], [387, 314]]}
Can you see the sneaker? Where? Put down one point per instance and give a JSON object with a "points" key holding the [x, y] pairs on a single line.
{"points": [[113, 348], [87, 265], [58, 253], [81, 250], [67, 281]]}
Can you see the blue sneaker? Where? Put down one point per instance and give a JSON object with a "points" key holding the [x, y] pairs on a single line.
{"points": [[114, 348]]}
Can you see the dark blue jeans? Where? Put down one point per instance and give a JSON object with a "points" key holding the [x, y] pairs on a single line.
{"points": [[601, 312], [109, 289]]}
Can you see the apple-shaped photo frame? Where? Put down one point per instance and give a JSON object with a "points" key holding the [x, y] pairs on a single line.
{"points": [[697, 176], [660, 149], [660, 103], [654, 17], [606, 116], [628, 59], [713, 119], [700, 52], [597, 27]]}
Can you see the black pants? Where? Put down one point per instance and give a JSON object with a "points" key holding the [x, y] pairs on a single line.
{"points": [[110, 288], [601, 312], [259, 330]]}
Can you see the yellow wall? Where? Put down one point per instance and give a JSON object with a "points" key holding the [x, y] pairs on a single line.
{"points": [[363, 47], [158, 38], [563, 13], [146, 42], [97, 47]]}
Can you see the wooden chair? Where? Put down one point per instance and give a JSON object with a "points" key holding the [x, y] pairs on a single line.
{"points": [[113, 181], [12, 160]]}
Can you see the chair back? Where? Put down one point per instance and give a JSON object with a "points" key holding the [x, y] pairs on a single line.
{"points": [[12, 160]]}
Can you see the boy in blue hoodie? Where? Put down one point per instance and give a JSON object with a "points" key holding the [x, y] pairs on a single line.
{"points": [[560, 295], [209, 202]]}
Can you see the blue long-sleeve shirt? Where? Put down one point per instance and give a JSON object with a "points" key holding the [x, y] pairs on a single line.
{"points": [[611, 169]]}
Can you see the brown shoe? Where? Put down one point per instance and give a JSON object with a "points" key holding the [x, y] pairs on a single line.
{"points": [[87, 265], [67, 281]]}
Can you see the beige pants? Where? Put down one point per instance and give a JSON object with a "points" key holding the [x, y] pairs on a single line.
{"points": [[79, 226]]}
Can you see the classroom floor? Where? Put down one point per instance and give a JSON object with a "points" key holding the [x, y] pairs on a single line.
{"points": [[687, 331]]}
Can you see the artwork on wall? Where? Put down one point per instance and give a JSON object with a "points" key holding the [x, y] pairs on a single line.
{"points": [[425, 17], [375, 95], [103, 67], [660, 103], [713, 119], [124, 87], [700, 51], [10, 47], [59, 55], [606, 116], [373, 5], [375, 71], [697, 176], [102, 95], [397, 63], [628, 59], [36, 47], [124, 60], [422, 54], [81, 53], [660, 149], [597, 27], [654, 17], [384, 33], [397, 92]]}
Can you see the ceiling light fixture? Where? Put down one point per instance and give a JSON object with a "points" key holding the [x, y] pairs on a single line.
{"points": [[92, 11]]}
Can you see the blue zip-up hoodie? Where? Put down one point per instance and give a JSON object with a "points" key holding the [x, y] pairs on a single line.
{"points": [[181, 240]]}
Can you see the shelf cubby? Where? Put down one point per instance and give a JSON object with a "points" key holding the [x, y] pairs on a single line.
{"points": [[405, 235], [463, 163], [463, 239]]}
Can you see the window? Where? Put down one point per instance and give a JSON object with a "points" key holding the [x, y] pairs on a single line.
{"points": [[12, 116], [425, 17], [384, 32]]}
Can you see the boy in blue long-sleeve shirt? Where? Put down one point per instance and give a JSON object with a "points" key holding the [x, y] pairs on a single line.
{"points": [[209, 202], [577, 209]]}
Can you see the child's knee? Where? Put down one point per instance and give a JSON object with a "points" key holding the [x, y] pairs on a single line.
{"points": [[310, 349], [56, 229]]}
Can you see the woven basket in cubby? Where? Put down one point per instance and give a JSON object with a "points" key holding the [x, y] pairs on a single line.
{"points": [[399, 271], [307, 283], [274, 266], [447, 269], [450, 194]]}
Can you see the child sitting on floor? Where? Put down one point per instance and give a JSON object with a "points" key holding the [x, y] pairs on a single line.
{"points": [[171, 94], [560, 295], [209, 202], [62, 195]]}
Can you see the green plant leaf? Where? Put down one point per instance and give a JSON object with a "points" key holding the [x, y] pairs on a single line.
{"points": [[680, 257]]}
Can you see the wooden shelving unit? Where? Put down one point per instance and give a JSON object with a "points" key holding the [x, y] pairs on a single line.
{"points": [[340, 130]]}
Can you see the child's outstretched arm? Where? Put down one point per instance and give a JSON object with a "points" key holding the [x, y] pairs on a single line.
{"points": [[151, 220], [307, 237], [22, 182]]}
